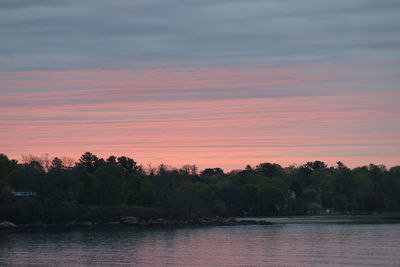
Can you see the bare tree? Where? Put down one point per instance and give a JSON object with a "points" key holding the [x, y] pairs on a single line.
{"points": [[68, 162], [45, 161], [189, 169]]}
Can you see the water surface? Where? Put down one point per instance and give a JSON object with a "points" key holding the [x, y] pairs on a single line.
{"points": [[271, 245]]}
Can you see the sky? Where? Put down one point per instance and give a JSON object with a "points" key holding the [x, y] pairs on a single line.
{"points": [[215, 83]]}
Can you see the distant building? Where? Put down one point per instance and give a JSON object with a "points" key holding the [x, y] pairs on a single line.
{"points": [[21, 195], [312, 201]]}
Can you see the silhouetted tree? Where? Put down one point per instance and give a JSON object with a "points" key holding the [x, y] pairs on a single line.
{"points": [[127, 163], [210, 172], [340, 165], [99, 190], [310, 167], [269, 169], [89, 161], [111, 160], [376, 173], [56, 163]]}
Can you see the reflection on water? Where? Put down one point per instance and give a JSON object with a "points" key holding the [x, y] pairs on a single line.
{"points": [[275, 245]]}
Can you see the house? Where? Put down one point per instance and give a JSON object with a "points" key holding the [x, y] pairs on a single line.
{"points": [[22, 195]]}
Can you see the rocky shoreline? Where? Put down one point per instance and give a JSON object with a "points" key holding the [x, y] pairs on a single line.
{"points": [[346, 219], [130, 221], [138, 222]]}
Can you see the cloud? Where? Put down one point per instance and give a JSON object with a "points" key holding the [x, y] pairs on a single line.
{"points": [[235, 82], [209, 132], [40, 35], [173, 84], [207, 115], [11, 4]]}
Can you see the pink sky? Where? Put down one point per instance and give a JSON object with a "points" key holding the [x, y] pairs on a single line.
{"points": [[212, 117]]}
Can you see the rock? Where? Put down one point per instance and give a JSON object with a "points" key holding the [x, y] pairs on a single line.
{"points": [[204, 221], [113, 223], [252, 222], [85, 224], [35, 224], [130, 220], [7, 224]]}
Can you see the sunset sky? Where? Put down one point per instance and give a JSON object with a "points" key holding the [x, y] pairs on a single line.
{"points": [[215, 83]]}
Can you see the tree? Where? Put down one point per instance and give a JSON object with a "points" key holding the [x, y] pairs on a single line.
{"points": [[340, 165], [376, 173], [189, 169], [112, 160], [64, 194], [68, 162], [87, 193], [57, 186], [5, 191], [306, 170], [109, 184], [133, 184], [392, 187], [89, 161], [56, 164], [310, 167], [127, 163], [210, 172], [364, 189], [230, 196], [5, 166], [269, 169], [271, 199], [250, 195]]}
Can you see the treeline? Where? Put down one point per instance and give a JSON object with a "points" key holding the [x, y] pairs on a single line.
{"points": [[97, 189]]}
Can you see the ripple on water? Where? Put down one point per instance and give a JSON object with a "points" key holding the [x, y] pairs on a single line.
{"points": [[273, 245]]}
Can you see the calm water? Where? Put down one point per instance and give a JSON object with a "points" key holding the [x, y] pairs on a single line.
{"points": [[276, 245]]}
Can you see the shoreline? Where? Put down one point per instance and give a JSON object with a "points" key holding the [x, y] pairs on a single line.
{"points": [[130, 221], [320, 219], [138, 223]]}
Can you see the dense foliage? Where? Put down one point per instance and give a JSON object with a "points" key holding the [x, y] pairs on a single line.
{"points": [[96, 189]]}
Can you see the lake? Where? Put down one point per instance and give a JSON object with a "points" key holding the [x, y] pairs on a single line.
{"points": [[269, 245]]}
